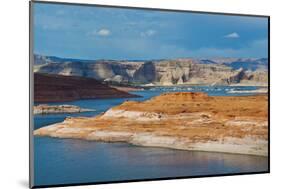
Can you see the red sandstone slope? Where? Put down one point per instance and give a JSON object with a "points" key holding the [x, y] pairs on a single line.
{"points": [[57, 88]]}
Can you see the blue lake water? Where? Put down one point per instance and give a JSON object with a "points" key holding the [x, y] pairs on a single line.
{"points": [[66, 161]]}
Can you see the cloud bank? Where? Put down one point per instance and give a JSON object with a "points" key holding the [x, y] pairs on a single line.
{"points": [[232, 35]]}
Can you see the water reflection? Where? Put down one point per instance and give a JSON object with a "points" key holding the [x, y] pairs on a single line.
{"points": [[60, 161]]}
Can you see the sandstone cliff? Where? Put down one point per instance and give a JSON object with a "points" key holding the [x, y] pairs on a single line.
{"points": [[220, 71]]}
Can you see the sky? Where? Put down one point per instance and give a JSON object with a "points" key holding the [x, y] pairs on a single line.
{"points": [[90, 32]]}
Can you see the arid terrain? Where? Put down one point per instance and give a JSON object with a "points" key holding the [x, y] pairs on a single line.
{"points": [[181, 120]]}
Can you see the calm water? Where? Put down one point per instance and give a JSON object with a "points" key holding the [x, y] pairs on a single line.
{"points": [[65, 161]]}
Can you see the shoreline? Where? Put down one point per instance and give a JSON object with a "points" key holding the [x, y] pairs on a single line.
{"points": [[135, 145], [139, 140]]}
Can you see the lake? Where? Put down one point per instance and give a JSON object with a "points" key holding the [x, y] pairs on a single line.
{"points": [[66, 161]]}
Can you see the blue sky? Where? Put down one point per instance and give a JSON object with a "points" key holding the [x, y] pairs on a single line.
{"points": [[84, 32]]}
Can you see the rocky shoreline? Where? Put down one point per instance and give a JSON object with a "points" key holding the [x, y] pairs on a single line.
{"points": [[183, 120], [56, 109]]}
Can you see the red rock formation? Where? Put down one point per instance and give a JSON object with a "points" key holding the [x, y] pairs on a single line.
{"points": [[186, 120], [57, 88]]}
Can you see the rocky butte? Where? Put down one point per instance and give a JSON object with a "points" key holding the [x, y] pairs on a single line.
{"points": [[182, 120]]}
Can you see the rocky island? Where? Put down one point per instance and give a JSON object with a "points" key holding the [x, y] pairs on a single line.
{"points": [[181, 120], [55, 109]]}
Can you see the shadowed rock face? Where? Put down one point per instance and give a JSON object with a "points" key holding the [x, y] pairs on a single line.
{"points": [[146, 73], [182, 120], [223, 71], [237, 77], [57, 88]]}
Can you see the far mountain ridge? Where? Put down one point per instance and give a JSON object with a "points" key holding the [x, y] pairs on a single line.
{"points": [[42, 59]]}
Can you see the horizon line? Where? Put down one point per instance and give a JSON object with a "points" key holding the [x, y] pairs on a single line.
{"points": [[200, 58]]}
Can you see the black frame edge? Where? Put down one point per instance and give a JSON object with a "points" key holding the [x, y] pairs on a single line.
{"points": [[268, 109], [30, 76], [149, 8]]}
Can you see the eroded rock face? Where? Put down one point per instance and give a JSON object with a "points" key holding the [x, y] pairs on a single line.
{"points": [[183, 120], [163, 72]]}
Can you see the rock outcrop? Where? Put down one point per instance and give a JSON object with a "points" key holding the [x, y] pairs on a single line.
{"points": [[56, 109], [183, 120], [224, 71], [58, 88]]}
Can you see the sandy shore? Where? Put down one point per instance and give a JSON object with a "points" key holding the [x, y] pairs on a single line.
{"points": [[187, 121]]}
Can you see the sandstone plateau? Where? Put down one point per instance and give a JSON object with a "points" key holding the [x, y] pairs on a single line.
{"points": [[182, 120], [55, 109], [58, 88]]}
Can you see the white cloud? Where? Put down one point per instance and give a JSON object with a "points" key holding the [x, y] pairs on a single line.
{"points": [[148, 33], [104, 32], [232, 35]]}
